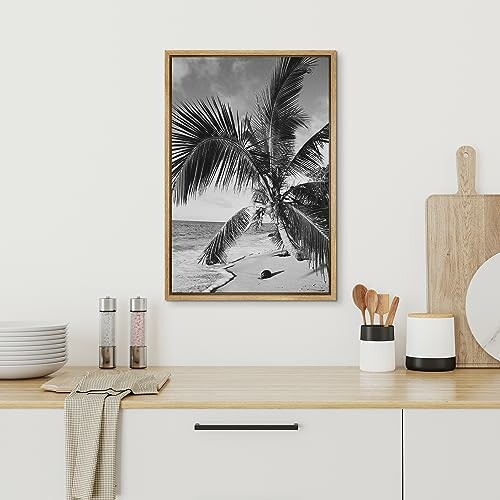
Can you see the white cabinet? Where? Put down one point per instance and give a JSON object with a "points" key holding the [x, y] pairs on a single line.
{"points": [[32, 455], [335, 454], [451, 454], [345, 454]]}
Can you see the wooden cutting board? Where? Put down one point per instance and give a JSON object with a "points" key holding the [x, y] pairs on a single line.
{"points": [[463, 231], [67, 380]]}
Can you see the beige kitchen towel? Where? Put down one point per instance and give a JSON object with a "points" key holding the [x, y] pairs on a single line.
{"points": [[91, 420]]}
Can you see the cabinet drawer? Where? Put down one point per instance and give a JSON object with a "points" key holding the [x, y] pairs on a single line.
{"points": [[261, 454]]}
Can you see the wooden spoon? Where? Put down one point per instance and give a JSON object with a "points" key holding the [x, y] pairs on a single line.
{"points": [[383, 306], [392, 311], [358, 296], [371, 299]]}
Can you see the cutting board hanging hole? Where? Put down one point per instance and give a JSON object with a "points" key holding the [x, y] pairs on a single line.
{"points": [[466, 170]]}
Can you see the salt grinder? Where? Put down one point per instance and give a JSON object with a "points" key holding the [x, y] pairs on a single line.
{"points": [[138, 349], [107, 315]]}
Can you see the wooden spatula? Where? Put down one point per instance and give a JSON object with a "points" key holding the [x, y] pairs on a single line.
{"points": [[358, 296], [383, 306], [371, 304], [392, 311]]}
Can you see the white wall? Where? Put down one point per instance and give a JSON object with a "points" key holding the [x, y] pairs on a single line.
{"points": [[81, 159]]}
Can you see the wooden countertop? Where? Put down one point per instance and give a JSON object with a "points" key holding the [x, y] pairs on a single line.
{"points": [[290, 387]]}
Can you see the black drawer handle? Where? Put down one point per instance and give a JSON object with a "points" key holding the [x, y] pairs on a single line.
{"points": [[246, 427]]}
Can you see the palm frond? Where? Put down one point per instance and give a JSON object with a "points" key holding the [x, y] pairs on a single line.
{"points": [[260, 195], [308, 230], [315, 193], [321, 173], [310, 156], [211, 146], [278, 113], [215, 252], [258, 218]]}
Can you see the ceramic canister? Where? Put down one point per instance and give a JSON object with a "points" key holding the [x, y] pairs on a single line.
{"points": [[430, 342]]}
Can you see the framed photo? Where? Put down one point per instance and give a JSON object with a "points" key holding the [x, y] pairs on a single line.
{"points": [[250, 175]]}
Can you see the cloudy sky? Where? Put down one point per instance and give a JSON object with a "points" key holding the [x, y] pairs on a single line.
{"points": [[237, 80]]}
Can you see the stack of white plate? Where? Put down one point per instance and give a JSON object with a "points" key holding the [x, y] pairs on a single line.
{"points": [[30, 349]]}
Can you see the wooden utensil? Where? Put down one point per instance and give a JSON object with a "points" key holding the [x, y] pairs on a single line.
{"points": [[463, 231], [371, 300], [358, 296], [392, 311], [383, 306]]}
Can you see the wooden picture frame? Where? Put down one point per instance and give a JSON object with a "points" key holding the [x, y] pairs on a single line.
{"points": [[192, 165]]}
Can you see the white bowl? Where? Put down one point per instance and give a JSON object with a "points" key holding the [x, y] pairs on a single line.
{"points": [[34, 343], [33, 361], [43, 333], [18, 351], [22, 338], [32, 357], [29, 371], [27, 347], [30, 326]]}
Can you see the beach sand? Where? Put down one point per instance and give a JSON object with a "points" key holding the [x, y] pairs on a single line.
{"points": [[253, 253], [289, 275]]}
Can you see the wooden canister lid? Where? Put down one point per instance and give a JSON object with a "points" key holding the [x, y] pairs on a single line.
{"points": [[430, 315]]}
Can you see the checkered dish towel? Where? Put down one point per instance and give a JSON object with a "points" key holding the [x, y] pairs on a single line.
{"points": [[91, 418]]}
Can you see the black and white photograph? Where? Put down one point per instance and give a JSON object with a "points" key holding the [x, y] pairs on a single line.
{"points": [[250, 175]]}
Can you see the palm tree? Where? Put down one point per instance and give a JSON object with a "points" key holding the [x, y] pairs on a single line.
{"points": [[214, 146]]}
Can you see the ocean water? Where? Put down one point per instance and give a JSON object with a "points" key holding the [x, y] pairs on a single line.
{"points": [[189, 238]]}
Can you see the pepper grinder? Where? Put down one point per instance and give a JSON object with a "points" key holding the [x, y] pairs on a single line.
{"points": [[107, 314], [138, 349]]}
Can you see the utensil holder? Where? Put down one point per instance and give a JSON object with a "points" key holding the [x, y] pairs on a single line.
{"points": [[377, 349]]}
